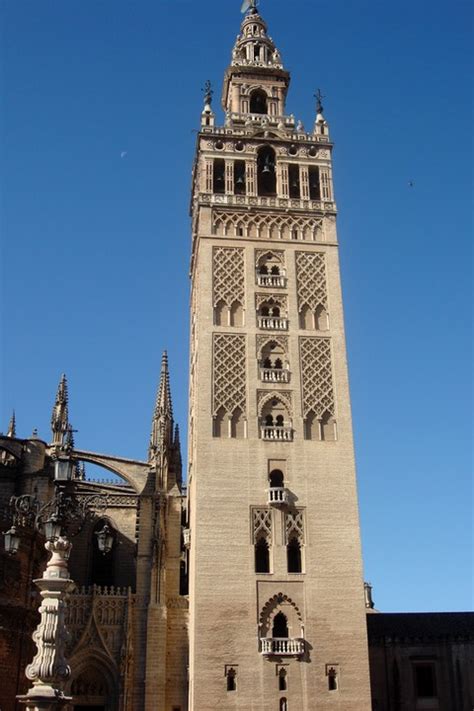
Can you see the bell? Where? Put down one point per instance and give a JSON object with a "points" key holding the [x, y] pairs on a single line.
{"points": [[240, 180], [266, 169], [294, 184]]}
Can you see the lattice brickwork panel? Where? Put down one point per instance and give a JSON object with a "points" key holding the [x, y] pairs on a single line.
{"points": [[228, 274], [294, 525], [311, 280], [316, 375], [261, 524], [229, 374]]}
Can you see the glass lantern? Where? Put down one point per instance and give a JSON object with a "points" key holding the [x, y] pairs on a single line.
{"points": [[63, 468], [105, 539], [52, 528], [12, 541]]}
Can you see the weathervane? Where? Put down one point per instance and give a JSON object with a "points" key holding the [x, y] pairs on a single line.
{"points": [[319, 101], [207, 92]]}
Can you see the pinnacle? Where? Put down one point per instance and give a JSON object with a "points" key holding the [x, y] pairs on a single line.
{"points": [[11, 432]]}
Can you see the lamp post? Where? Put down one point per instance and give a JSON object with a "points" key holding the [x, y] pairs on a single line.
{"points": [[58, 519]]}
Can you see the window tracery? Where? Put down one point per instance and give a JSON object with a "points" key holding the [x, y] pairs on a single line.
{"points": [[267, 226]]}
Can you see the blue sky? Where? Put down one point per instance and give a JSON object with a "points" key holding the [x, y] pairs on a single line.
{"points": [[95, 246]]}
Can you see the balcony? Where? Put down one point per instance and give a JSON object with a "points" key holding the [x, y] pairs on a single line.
{"points": [[277, 281], [282, 647], [276, 434], [273, 323], [186, 537], [278, 496], [274, 375]]}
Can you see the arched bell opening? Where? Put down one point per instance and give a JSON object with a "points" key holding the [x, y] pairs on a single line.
{"points": [[266, 172], [258, 98]]}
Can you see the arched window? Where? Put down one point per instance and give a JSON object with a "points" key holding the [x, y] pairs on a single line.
{"points": [[276, 478], [231, 680], [237, 424], [282, 683], [278, 364], [328, 428], [276, 311], [275, 270], [321, 318], [102, 566], [262, 556], [280, 626], [311, 426], [258, 101], [279, 421], [221, 314], [306, 318], [220, 423], [293, 553], [267, 363], [236, 314], [264, 310], [263, 269], [314, 189], [239, 177], [266, 176], [283, 704], [269, 420]]}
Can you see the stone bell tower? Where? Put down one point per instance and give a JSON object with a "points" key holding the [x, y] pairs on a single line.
{"points": [[277, 614]]}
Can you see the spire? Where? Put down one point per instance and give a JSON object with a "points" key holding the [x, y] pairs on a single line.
{"points": [[11, 432], [60, 416], [162, 423]]}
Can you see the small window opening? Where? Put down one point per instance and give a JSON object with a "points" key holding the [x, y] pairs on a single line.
{"points": [[425, 681], [219, 176], [263, 269], [283, 704], [280, 626], [293, 552], [258, 99], [276, 311], [269, 420], [278, 364], [279, 422], [294, 180], [267, 363], [240, 232], [275, 270], [266, 177], [262, 556], [282, 684], [239, 177], [332, 679], [276, 478], [183, 578], [231, 680], [314, 189]]}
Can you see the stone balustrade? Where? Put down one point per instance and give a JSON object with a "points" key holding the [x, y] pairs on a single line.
{"points": [[272, 280], [273, 323], [326, 206], [282, 646], [274, 375], [277, 495], [276, 434], [186, 537]]}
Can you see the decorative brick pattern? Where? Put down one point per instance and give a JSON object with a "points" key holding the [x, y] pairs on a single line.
{"points": [[316, 376], [229, 373], [228, 273], [311, 280]]}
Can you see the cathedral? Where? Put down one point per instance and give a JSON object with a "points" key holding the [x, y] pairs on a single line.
{"points": [[240, 587]]}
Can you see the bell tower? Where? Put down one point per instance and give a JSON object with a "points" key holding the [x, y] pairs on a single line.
{"points": [[277, 613]]}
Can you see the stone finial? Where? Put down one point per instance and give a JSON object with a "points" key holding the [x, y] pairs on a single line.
{"points": [[60, 415], [11, 432], [320, 125], [207, 116]]}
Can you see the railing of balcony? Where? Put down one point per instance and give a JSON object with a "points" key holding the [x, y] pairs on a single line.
{"points": [[274, 375], [277, 495], [273, 280], [273, 323], [279, 434], [282, 647]]}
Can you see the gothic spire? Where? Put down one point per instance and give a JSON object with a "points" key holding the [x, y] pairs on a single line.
{"points": [[162, 423], [11, 432], [60, 416]]}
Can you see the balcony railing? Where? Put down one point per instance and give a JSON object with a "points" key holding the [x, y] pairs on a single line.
{"points": [[282, 647], [273, 280], [273, 323], [276, 434], [277, 495], [274, 375]]}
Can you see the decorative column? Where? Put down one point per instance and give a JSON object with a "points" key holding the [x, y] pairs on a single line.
{"points": [[49, 669]]}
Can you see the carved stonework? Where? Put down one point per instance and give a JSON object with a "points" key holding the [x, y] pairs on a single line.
{"points": [[228, 275], [229, 373], [316, 376]]}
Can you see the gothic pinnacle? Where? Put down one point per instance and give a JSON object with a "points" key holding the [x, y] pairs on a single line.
{"points": [[11, 432], [60, 415], [162, 423]]}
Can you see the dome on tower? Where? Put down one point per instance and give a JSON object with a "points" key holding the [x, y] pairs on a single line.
{"points": [[253, 46]]}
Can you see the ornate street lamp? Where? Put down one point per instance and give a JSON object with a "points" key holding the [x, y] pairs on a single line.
{"points": [[65, 511], [105, 539]]}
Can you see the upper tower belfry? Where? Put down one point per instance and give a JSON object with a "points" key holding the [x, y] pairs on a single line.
{"points": [[255, 82]]}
